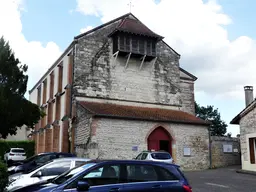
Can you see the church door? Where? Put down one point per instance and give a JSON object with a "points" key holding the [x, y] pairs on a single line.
{"points": [[160, 139]]}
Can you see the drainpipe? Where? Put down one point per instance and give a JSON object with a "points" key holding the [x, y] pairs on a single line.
{"points": [[210, 147]]}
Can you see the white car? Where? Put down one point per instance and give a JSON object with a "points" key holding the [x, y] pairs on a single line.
{"points": [[47, 171], [161, 156], [15, 154]]}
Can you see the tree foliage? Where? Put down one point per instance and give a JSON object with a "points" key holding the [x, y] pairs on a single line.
{"points": [[218, 127], [15, 109]]}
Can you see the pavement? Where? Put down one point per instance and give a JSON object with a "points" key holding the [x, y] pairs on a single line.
{"points": [[221, 180]]}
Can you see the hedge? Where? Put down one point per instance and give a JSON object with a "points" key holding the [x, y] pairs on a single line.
{"points": [[28, 146], [3, 176]]}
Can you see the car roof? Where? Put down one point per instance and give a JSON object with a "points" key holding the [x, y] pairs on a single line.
{"points": [[72, 158], [130, 161], [62, 153], [17, 148], [155, 152]]}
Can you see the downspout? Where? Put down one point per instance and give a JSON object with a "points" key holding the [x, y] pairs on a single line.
{"points": [[210, 147], [71, 90]]}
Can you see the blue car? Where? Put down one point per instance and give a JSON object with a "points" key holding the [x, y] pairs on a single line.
{"points": [[119, 175]]}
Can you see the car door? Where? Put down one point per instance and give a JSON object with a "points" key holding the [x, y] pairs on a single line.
{"points": [[103, 178], [141, 178], [167, 180]]}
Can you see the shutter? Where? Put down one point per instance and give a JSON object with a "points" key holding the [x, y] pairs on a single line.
{"points": [[251, 147]]}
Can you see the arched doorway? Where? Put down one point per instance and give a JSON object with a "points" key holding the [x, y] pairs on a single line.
{"points": [[160, 139]]}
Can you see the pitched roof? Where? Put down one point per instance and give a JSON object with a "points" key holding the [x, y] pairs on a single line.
{"points": [[245, 111], [132, 25], [84, 34], [110, 110]]}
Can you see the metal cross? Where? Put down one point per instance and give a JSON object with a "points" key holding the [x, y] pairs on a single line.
{"points": [[130, 5]]}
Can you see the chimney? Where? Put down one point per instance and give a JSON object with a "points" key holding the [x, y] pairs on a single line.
{"points": [[248, 90]]}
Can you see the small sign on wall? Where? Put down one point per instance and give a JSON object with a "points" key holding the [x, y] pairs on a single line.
{"points": [[134, 148], [227, 148], [187, 151], [236, 150]]}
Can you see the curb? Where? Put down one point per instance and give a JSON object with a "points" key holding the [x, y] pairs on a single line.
{"points": [[246, 172]]}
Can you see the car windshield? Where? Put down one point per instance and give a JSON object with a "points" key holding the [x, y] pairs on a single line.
{"points": [[31, 158], [71, 173], [18, 151], [37, 167], [161, 156]]}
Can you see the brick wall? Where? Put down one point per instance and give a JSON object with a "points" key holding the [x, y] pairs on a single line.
{"points": [[222, 159], [56, 138]]}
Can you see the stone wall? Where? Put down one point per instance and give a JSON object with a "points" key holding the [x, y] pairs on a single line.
{"points": [[98, 74], [187, 96], [82, 131], [114, 139], [247, 130], [221, 158]]}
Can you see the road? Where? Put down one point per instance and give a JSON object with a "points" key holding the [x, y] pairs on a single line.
{"points": [[221, 180]]}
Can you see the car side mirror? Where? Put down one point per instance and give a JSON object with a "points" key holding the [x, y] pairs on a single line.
{"points": [[82, 186], [38, 174]]}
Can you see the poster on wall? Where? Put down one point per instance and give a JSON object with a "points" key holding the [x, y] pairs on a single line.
{"points": [[227, 148], [187, 151], [134, 148]]}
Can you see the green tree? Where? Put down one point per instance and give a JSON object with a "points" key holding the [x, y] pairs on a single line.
{"points": [[218, 127], [15, 109]]}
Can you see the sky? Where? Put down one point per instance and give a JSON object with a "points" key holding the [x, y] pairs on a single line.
{"points": [[215, 38]]}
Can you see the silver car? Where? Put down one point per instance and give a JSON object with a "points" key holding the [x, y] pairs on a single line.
{"points": [[161, 156], [44, 172]]}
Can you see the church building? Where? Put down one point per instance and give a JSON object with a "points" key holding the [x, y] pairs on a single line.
{"points": [[117, 90]]}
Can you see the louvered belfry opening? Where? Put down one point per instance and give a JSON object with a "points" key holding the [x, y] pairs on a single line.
{"points": [[134, 38]]}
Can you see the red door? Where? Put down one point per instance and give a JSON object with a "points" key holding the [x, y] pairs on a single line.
{"points": [[157, 138]]}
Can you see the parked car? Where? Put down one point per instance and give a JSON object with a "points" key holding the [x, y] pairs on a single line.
{"points": [[44, 172], [118, 175], [37, 160], [161, 156], [14, 155]]}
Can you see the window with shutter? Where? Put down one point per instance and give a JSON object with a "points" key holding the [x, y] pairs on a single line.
{"points": [[137, 45], [252, 150]]}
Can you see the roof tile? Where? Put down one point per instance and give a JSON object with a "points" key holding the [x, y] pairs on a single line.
{"points": [[140, 113]]}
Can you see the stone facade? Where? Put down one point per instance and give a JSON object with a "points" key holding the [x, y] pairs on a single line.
{"points": [[222, 159], [160, 83], [247, 130], [114, 139], [98, 74]]}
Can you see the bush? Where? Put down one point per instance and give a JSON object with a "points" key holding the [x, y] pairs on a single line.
{"points": [[3, 177], [28, 146]]}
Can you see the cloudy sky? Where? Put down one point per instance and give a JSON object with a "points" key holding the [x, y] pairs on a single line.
{"points": [[215, 38]]}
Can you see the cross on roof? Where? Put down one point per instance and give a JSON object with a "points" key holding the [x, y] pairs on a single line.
{"points": [[130, 5]]}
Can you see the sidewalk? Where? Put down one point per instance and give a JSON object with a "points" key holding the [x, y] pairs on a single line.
{"points": [[246, 172]]}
